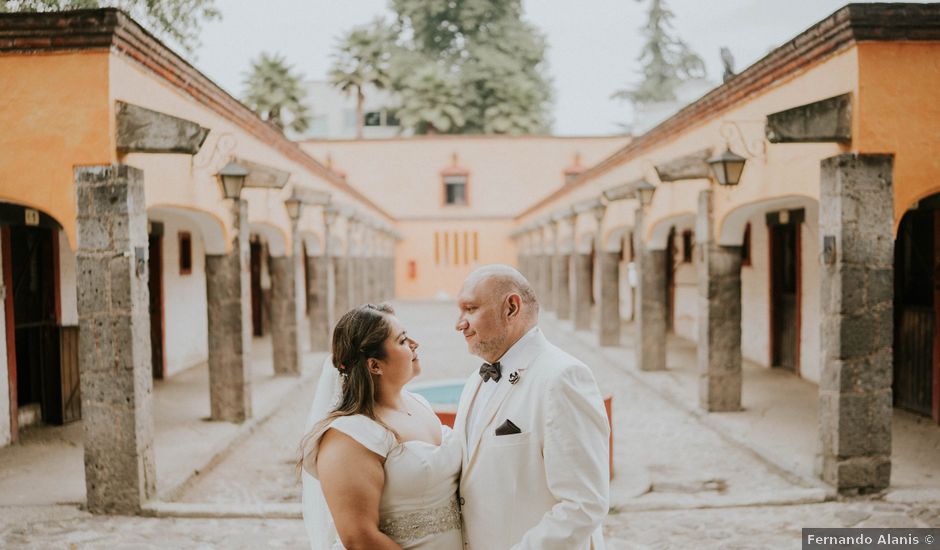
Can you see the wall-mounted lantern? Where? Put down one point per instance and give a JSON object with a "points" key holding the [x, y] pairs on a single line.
{"points": [[294, 208], [232, 179], [727, 167]]}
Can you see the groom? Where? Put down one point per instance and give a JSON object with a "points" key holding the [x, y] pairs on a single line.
{"points": [[536, 464]]}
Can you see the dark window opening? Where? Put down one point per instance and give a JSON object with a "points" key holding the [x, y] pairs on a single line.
{"points": [[455, 190], [391, 118], [372, 118], [686, 247], [746, 246], [186, 253]]}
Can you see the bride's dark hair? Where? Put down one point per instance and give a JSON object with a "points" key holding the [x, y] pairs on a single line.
{"points": [[359, 335]]}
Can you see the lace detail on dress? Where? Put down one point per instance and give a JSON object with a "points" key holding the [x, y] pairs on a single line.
{"points": [[422, 523]]}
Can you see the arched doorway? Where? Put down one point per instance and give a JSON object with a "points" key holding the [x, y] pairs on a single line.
{"points": [[916, 386], [42, 355]]}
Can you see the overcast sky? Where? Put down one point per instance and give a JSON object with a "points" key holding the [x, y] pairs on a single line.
{"points": [[593, 44]]}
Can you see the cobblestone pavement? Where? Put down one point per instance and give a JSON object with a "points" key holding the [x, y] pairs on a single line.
{"points": [[759, 527], [261, 469], [67, 529], [677, 484]]}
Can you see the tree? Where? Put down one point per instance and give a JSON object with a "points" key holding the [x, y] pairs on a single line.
{"points": [[177, 20], [431, 101], [504, 90], [363, 58], [273, 92], [667, 61], [483, 49]]}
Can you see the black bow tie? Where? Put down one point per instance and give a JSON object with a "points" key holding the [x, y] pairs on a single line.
{"points": [[488, 371]]}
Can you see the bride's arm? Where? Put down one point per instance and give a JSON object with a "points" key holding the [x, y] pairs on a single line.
{"points": [[352, 478]]}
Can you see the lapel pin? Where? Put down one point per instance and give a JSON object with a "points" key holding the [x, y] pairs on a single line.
{"points": [[514, 377]]}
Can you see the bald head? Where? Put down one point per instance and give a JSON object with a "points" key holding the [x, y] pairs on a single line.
{"points": [[499, 280], [497, 307]]}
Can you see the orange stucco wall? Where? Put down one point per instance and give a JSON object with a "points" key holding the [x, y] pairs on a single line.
{"points": [[439, 275], [54, 116], [898, 112]]}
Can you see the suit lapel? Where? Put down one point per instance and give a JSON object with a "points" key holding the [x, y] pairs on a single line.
{"points": [[486, 416], [471, 391]]}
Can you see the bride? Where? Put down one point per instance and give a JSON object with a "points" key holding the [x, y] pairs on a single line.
{"points": [[387, 467]]}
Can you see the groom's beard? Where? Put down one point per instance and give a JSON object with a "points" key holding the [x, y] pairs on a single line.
{"points": [[485, 349]]}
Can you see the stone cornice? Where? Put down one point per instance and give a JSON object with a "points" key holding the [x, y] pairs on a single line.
{"points": [[849, 25], [112, 29]]}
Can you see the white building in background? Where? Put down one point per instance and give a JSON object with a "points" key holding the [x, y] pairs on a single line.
{"points": [[333, 113]]}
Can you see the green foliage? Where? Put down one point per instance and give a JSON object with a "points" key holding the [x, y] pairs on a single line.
{"points": [[667, 60], [438, 27], [364, 58], [468, 66], [276, 94], [431, 100], [177, 20]]}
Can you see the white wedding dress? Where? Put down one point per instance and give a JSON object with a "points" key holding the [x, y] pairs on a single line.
{"points": [[418, 508]]}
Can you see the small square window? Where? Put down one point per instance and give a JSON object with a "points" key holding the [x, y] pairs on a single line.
{"points": [[372, 118], [186, 252], [391, 118], [455, 190]]}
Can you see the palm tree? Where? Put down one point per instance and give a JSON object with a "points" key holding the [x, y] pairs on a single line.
{"points": [[272, 91], [363, 58]]}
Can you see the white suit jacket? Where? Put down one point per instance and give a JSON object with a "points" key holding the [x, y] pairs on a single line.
{"points": [[547, 487]]}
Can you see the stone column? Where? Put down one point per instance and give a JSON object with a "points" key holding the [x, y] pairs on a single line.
{"points": [[609, 306], [318, 298], [551, 291], [228, 293], [365, 269], [719, 314], [650, 342], [562, 270], [341, 276], [856, 221], [581, 299], [349, 273], [284, 322], [545, 274], [114, 339]]}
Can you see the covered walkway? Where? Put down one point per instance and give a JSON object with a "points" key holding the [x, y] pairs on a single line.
{"points": [[46, 468], [779, 418]]}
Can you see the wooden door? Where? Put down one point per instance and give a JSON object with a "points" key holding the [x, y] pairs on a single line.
{"points": [[71, 389], [10, 335], [33, 252], [155, 284], [915, 308], [785, 270], [256, 297], [670, 278]]}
